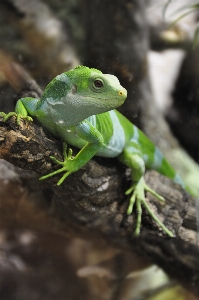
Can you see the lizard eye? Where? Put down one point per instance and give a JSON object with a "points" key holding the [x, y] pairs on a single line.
{"points": [[98, 83]]}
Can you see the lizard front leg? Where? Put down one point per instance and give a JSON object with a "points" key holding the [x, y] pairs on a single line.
{"points": [[72, 164], [22, 108]]}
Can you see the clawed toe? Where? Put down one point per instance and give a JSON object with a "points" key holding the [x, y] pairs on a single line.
{"points": [[138, 197]]}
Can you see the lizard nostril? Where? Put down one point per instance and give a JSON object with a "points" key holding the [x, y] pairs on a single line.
{"points": [[120, 93]]}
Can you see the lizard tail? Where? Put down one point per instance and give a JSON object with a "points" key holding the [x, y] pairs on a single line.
{"points": [[161, 165]]}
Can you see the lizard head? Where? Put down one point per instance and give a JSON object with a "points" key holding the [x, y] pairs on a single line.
{"points": [[80, 93], [101, 92]]}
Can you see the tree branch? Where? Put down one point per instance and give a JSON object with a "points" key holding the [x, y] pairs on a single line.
{"points": [[93, 198]]}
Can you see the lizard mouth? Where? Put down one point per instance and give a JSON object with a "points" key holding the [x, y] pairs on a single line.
{"points": [[118, 101], [120, 98]]}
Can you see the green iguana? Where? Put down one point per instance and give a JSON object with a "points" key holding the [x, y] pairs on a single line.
{"points": [[78, 107]]}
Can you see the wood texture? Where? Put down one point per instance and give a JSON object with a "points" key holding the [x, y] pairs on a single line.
{"points": [[92, 201]]}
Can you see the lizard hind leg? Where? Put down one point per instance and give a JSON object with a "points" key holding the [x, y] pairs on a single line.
{"points": [[138, 189]]}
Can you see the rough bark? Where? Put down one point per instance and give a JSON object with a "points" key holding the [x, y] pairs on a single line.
{"points": [[92, 200]]}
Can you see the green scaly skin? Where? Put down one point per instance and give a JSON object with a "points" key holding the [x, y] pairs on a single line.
{"points": [[79, 108]]}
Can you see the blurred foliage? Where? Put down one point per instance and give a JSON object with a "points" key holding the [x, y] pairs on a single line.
{"points": [[184, 11]]}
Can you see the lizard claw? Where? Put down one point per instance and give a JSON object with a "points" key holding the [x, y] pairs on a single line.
{"points": [[138, 197], [64, 164], [18, 117]]}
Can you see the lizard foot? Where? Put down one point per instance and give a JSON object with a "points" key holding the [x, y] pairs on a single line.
{"points": [[138, 197], [18, 116], [67, 158]]}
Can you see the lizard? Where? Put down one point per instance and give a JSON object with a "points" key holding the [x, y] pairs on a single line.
{"points": [[79, 107]]}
